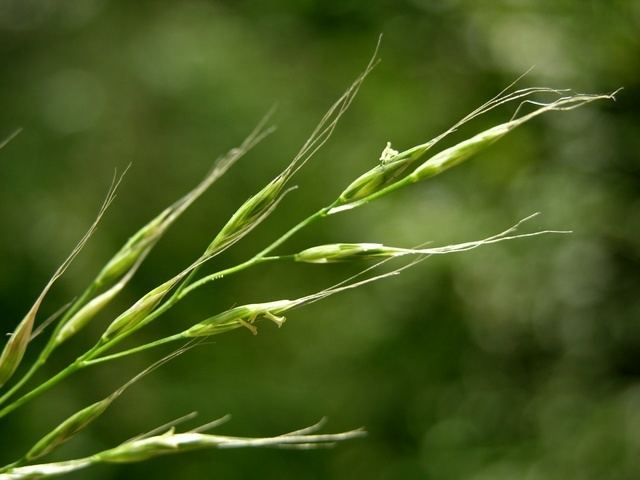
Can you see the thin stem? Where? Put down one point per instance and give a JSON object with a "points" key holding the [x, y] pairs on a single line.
{"points": [[304, 223], [146, 346], [17, 463], [78, 364], [25, 378], [223, 273], [341, 207]]}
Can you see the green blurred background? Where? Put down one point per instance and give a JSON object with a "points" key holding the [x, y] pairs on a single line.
{"points": [[519, 360]]}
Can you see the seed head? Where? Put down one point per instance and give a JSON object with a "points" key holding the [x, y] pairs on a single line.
{"points": [[68, 429], [143, 449], [45, 470], [15, 347], [135, 314], [458, 153], [340, 252], [462, 151], [249, 215], [172, 442], [85, 314], [375, 179], [133, 249], [393, 165], [242, 316]]}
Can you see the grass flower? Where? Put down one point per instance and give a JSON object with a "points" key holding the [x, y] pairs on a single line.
{"points": [[395, 169]]}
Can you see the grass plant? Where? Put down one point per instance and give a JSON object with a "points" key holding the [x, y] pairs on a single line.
{"points": [[393, 171]]}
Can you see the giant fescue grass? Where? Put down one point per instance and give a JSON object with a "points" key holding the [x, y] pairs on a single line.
{"points": [[393, 171]]}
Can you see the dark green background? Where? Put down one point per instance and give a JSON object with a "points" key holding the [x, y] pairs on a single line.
{"points": [[519, 360]]}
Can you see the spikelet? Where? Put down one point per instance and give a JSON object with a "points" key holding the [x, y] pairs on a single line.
{"points": [[171, 442], [393, 164], [77, 422], [15, 348], [249, 215], [134, 315], [259, 206], [341, 252], [462, 151], [68, 429], [242, 316], [388, 175]]}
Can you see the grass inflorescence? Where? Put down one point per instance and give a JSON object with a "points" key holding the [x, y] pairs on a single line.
{"points": [[394, 170]]}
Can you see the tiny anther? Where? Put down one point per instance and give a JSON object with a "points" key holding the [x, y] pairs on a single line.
{"points": [[275, 319], [251, 328]]}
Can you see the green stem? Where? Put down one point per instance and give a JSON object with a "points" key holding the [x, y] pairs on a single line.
{"points": [[17, 463], [292, 231], [25, 378], [146, 346], [341, 207], [221, 274], [78, 364]]}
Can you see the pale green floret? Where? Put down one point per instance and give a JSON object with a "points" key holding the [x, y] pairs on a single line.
{"points": [[249, 215], [85, 314], [378, 177], [458, 153], [68, 429], [147, 448], [131, 251], [135, 314], [462, 151], [339, 252], [393, 165], [242, 316], [14, 350], [46, 470], [138, 451]]}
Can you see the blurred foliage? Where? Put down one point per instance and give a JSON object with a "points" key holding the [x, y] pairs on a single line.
{"points": [[519, 360]]}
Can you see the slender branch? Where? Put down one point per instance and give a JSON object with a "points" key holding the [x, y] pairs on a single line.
{"points": [[43, 387], [146, 346]]}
